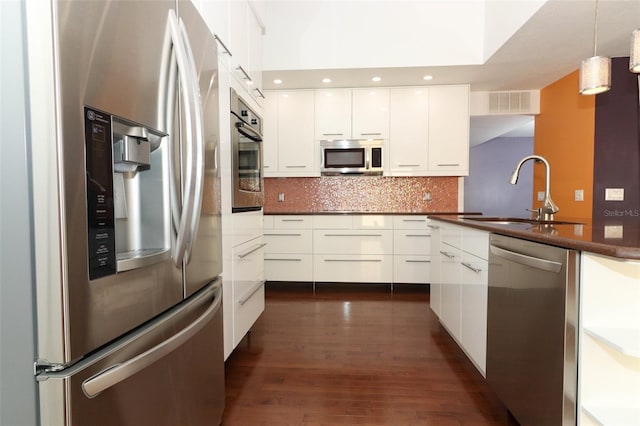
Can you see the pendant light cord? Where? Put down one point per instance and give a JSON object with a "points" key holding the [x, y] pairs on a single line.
{"points": [[595, 30]]}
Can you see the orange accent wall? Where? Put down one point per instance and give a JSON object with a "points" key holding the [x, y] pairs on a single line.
{"points": [[564, 135]]}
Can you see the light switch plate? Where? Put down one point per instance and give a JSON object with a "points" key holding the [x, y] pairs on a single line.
{"points": [[579, 195], [614, 194], [540, 195]]}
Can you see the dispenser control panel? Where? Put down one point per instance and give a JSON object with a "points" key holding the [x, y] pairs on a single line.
{"points": [[100, 204]]}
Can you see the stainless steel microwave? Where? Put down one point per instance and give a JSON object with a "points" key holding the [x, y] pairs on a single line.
{"points": [[351, 157]]}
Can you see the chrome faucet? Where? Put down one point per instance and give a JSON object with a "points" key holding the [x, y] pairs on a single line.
{"points": [[549, 208]]}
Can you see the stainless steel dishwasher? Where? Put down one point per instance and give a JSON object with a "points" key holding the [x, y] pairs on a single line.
{"points": [[531, 330]]}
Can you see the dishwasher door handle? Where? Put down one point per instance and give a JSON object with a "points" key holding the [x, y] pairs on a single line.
{"points": [[524, 259]]}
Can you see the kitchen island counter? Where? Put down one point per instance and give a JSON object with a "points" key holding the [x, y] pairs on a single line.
{"points": [[612, 237]]}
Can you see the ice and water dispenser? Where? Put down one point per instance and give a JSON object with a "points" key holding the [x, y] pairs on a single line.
{"points": [[127, 194]]}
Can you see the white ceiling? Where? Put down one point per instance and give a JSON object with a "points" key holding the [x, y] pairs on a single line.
{"points": [[547, 47]]}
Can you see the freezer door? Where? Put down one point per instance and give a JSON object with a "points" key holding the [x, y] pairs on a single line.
{"points": [[169, 372], [203, 258]]}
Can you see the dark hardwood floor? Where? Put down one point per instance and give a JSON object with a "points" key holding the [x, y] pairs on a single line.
{"points": [[353, 355]]}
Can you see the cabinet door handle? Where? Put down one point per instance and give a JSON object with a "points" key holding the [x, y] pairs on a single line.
{"points": [[246, 76], [371, 134], [416, 235], [293, 220], [251, 250], [468, 266], [417, 261], [332, 134], [284, 259], [414, 220], [433, 226], [408, 165], [226, 49], [444, 253], [282, 235], [449, 165], [353, 235], [259, 92], [296, 167], [353, 260], [253, 291]]}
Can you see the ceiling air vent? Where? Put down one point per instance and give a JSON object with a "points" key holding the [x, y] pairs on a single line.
{"points": [[508, 102]]}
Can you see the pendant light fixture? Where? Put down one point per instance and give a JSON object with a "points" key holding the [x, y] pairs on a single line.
{"points": [[595, 72], [634, 57]]}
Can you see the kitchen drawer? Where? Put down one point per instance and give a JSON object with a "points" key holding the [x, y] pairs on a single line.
{"points": [[248, 306], [410, 222], [354, 241], [288, 267], [451, 234], [411, 241], [292, 222], [372, 222], [288, 241], [353, 268], [411, 269], [332, 222], [476, 242], [267, 222]]}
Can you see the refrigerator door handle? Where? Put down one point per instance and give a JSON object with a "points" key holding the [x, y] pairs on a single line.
{"points": [[116, 373], [196, 194], [189, 104]]}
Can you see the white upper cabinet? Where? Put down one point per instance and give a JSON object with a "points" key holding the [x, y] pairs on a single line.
{"points": [[270, 134], [370, 114], [289, 146], [245, 45], [449, 130], [216, 14], [333, 114], [408, 131]]}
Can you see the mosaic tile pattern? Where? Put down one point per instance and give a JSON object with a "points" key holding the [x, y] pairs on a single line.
{"points": [[361, 194]]}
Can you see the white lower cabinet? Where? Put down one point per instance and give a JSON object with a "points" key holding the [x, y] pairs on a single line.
{"points": [[609, 360], [248, 286], [288, 254], [411, 249], [348, 248], [459, 286]]}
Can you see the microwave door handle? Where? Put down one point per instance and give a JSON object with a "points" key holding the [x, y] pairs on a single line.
{"points": [[182, 237], [197, 191], [248, 132]]}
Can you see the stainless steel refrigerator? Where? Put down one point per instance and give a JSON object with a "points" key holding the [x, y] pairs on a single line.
{"points": [[127, 232]]}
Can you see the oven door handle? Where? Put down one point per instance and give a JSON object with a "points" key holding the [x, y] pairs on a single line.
{"points": [[248, 132]]}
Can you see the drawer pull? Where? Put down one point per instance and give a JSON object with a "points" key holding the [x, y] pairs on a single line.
{"points": [[295, 167], [408, 165], [449, 165], [283, 235], [332, 134], [253, 291], [284, 260], [353, 260], [353, 235], [468, 266], [414, 220], [371, 134], [251, 250], [444, 253], [433, 226], [416, 235], [293, 220], [417, 261]]}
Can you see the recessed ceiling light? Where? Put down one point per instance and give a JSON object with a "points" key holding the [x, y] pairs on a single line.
{"points": [[277, 81], [376, 79], [427, 77], [326, 80]]}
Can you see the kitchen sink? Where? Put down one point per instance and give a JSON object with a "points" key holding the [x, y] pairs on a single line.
{"points": [[519, 220]]}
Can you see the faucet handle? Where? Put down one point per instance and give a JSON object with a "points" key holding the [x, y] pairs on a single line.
{"points": [[537, 211]]}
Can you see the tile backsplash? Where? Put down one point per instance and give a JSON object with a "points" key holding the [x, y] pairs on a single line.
{"points": [[361, 194]]}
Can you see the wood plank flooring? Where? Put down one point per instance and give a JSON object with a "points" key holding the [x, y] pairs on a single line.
{"points": [[354, 355]]}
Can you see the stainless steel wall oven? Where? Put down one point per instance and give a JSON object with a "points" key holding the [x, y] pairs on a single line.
{"points": [[246, 160]]}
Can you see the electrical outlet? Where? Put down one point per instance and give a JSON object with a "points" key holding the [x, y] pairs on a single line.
{"points": [[614, 194], [280, 197], [540, 195], [579, 195], [427, 196]]}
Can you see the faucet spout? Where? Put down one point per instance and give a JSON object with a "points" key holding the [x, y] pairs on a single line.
{"points": [[549, 208]]}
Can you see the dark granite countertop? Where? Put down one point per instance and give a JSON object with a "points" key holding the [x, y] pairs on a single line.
{"points": [[613, 237]]}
